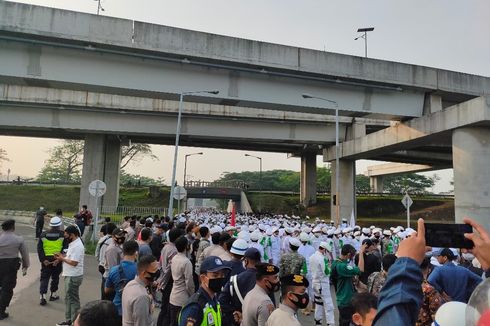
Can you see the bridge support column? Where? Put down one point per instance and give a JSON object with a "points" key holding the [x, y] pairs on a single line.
{"points": [[308, 179], [471, 154], [376, 183], [347, 190], [101, 160]]}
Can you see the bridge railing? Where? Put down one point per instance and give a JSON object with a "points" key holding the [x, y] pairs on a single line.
{"points": [[215, 184], [117, 213]]}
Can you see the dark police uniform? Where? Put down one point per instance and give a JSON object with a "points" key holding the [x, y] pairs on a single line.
{"points": [[10, 246], [50, 243], [201, 309], [39, 221]]}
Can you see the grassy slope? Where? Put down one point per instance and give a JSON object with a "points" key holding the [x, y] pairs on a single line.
{"points": [[370, 209]]}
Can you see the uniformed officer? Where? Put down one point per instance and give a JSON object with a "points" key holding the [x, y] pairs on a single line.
{"points": [[39, 220], [294, 297], [203, 307], [258, 305], [10, 246], [292, 262], [50, 243]]}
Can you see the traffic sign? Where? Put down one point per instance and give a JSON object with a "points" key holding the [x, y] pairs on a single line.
{"points": [[97, 188], [179, 193], [407, 201]]}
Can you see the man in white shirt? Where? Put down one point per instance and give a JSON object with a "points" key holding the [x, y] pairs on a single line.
{"points": [[73, 273], [320, 263]]}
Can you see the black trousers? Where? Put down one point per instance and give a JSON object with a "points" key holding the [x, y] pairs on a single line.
{"points": [[164, 315], [50, 272], [8, 280], [81, 226], [345, 315], [174, 315], [39, 228]]}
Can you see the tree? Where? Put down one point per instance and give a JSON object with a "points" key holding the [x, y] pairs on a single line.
{"points": [[135, 153], [64, 163], [128, 179], [66, 160], [362, 183], [409, 182]]}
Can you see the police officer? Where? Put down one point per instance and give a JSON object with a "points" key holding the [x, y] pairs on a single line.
{"points": [[39, 220], [234, 292], [203, 307], [258, 305], [294, 297], [50, 243], [10, 246]]}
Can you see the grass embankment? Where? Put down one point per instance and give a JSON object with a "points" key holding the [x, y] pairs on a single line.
{"points": [[384, 210]]}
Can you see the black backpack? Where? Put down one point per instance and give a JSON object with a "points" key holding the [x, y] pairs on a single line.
{"points": [[122, 280], [334, 275]]}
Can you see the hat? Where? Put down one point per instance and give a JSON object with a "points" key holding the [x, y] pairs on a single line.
{"points": [[212, 264], [266, 269], [387, 232], [451, 313], [72, 229], [303, 237], [239, 247], [366, 231], [325, 245], [255, 236], [252, 253], [55, 221], [149, 220], [294, 280], [118, 232], [294, 242]]}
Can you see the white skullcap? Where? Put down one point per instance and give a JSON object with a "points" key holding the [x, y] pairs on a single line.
{"points": [[295, 242]]}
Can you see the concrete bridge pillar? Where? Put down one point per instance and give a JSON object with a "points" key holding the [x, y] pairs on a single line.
{"points": [[471, 164], [308, 179], [101, 160], [347, 189], [376, 183]]}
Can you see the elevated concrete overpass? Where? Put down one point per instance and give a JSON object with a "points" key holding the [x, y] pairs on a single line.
{"points": [[62, 50]]}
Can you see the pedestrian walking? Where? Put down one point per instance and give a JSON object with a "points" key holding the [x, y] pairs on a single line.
{"points": [[39, 220], [10, 247], [72, 272], [50, 243]]}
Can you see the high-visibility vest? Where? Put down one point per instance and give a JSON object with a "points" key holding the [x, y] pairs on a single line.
{"points": [[210, 316], [52, 247]]}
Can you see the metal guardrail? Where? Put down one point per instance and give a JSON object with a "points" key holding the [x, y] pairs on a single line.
{"points": [[130, 211]]}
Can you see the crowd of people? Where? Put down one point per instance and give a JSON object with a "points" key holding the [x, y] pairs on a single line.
{"points": [[206, 268]]}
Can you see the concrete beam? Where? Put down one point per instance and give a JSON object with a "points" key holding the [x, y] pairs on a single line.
{"points": [[395, 168], [403, 136], [133, 35]]}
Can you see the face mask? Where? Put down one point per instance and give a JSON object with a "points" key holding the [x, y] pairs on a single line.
{"points": [[274, 286], [215, 284], [302, 300], [120, 240], [153, 276], [467, 256]]}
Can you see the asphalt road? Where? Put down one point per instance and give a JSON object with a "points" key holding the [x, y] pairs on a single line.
{"points": [[25, 310]]}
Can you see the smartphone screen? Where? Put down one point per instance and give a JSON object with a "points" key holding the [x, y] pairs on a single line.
{"points": [[448, 235]]}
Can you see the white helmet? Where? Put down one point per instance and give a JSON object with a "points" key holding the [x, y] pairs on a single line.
{"points": [[55, 221], [239, 247]]}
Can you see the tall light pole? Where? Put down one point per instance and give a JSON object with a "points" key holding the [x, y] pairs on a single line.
{"points": [[337, 198], [364, 36], [260, 175], [99, 7], [185, 163], [177, 137]]}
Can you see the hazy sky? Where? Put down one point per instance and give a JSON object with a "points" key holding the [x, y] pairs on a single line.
{"points": [[446, 34]]}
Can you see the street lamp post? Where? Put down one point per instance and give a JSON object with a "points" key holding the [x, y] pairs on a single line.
{"points": [[260, 173], [337, 198], [99, 7], [364, 36], [185, 163], [177, 137]]}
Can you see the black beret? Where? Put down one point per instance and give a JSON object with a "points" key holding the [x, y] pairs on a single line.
{"points": [[294, 280]]}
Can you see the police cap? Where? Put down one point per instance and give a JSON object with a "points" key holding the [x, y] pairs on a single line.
{"points": [[294, 280], [266, 269]]}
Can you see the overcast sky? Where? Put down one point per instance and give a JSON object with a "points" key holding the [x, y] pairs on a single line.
{"points": [[446, 34]]}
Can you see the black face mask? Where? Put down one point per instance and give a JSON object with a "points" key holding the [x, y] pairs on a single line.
{"points": [[303, 300], [215, 284], [274, 286], [153, 276]]}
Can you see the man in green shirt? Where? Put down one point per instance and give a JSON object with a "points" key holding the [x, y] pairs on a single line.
{"points": [[344, 273]]}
